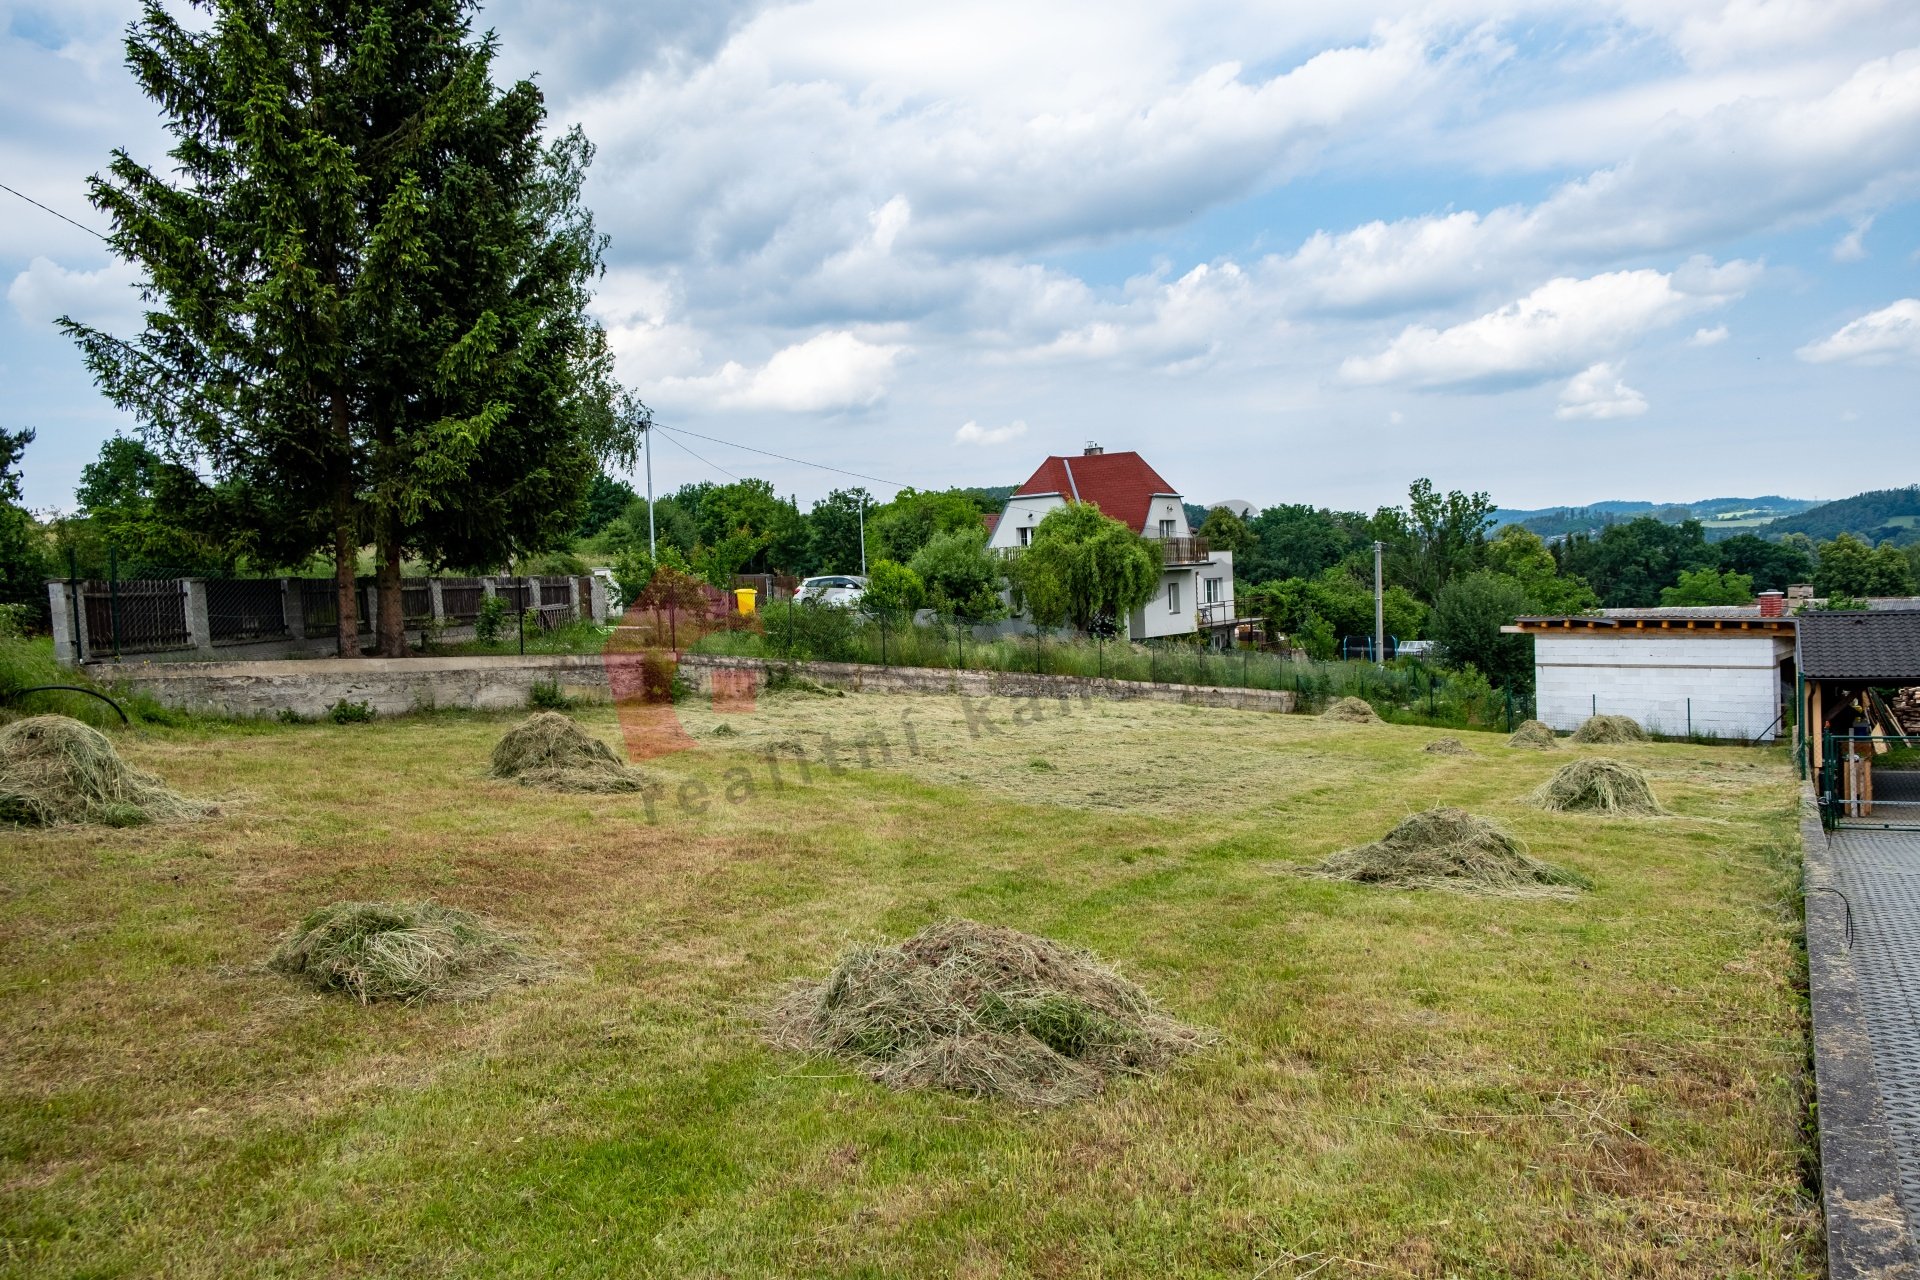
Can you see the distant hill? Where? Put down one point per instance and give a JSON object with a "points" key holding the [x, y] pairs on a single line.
{"points": [[1877, 516], [1720, 515]]}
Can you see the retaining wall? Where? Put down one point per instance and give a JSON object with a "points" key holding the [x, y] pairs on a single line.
{"points": [[397, 685]]}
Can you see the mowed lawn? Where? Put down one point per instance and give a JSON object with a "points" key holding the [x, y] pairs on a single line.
{"points": [[1407, 1083]]}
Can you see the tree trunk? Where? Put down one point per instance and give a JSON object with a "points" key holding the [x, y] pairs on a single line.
{"points": [[391, 616], [346, 547]]}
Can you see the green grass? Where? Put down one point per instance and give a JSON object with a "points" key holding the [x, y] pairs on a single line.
{"points": [[1408, 1084]]}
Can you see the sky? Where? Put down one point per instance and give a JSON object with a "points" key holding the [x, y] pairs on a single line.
{"points": [[1561, 252]]}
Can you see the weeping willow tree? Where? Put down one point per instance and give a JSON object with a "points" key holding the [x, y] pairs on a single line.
{"points": [[366, 273], [1086, 569]]}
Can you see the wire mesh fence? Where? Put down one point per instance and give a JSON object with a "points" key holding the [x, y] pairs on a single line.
{"points": [[243, 609], [136, 615]]}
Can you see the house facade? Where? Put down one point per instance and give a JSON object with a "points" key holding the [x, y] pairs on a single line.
{"points": [[1195, 592]]}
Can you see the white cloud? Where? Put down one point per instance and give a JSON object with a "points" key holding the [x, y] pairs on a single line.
{"points": [[1564, 325], [1708, 337], [828, 372], [1598, 393], [1851, 247], [974, 433], [1879, 337], [107, 298]]}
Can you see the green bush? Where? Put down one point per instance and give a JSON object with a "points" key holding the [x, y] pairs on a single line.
{"points": [[491, 620], [344, 712], [546, 695]]}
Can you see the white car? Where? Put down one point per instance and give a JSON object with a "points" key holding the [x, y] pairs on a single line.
{"points": [[843, 589]]}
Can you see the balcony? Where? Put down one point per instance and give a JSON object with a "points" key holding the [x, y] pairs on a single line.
{"points": [[1183, 550]]}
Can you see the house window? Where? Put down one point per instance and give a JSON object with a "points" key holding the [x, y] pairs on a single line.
{"points": [[1173, 597], [1026, 535], [1166, 528], [1213, 591]]}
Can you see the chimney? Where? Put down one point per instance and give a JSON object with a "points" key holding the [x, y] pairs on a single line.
{"points": [[1773, 604], [1092, 448]]}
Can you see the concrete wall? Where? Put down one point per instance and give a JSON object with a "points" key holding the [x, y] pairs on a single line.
{"points": [[1733, 681], [391, 686], [394, 686], [983, 684]]}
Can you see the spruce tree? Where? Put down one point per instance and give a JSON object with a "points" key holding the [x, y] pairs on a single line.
{"points": [[367, 274]]}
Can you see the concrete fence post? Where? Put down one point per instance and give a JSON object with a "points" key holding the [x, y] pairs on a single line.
{"points": [[533, 592], [199, 628], [293, 608], [487, 585], [597, 597], [437, 603], [573, 595], [61, 603]]}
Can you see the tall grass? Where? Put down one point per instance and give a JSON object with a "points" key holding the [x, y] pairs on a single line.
{"points": [[1405, 692], [26, 662]]}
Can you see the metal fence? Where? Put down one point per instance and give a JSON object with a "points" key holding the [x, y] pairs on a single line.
{"points": [[242, 609], [137, 615], [1869, 781]]}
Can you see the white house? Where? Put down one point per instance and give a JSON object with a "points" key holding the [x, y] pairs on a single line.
{"points": [[1722, 670], [1196, 585]]}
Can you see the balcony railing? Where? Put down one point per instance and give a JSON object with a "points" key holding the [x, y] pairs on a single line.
{"points": [[1215, 613], [1183, 550]]}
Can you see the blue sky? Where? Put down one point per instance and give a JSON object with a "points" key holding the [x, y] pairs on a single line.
{"points": [[1662, 249]]}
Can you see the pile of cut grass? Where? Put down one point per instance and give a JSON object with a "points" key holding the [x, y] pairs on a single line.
{"points": [[405, 951], [1611, 730], [1351, 711], [1598, 785], [787, 680], [55, 770], [1453, 850], [1447, 747], [1534, 734], [553, 753], [984, 1011]]}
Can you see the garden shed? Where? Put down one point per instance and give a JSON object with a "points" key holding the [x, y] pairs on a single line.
{"points": [[1860, 698], [1726, 671]]}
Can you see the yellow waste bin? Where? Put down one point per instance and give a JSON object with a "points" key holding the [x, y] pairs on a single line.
{"points": [[745, 598]]}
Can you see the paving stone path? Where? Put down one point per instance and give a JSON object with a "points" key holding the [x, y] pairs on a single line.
{"points": [[1879, 871]]}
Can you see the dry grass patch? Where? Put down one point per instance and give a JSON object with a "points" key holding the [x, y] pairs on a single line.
{"points": [[551, 752], [405, 951], [55, 770], [1598, 785], [1535, 735], [1351, 711], [1610, 730], [984, 1011], [1450, 849]]}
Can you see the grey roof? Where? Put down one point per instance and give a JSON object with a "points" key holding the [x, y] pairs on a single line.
{"points": [[1687, 611], [1881, 645]]}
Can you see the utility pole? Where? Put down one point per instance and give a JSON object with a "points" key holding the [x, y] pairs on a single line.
{"points": [[1379, 611], [647, 442], [863, 533]]}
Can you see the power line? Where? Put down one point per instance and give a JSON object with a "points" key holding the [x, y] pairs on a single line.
{"points": [[783, 457], [55, 212], [676, 444]]}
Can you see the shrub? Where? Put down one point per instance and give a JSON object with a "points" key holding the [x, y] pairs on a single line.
{"points": [[344, 712], [546, 695], [491, 620]]}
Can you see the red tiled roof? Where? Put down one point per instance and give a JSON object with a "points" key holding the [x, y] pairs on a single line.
{"points": [[993, 521], [1120, 484]]}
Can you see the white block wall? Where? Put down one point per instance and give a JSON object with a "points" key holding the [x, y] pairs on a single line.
{"points": [[1733, 681], [1154, 619]]}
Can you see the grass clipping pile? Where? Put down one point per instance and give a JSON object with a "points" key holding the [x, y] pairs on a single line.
{"points": [[1351, 711], [405, 951], [1447, 747], [551, 752], [984, 1011], [55, 770], [1610, 730], [1453, 850], [1598, 785], [1535, 734]]}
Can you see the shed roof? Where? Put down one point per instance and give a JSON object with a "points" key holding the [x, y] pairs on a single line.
{"points": [[1121, 484], [1873, 645]]}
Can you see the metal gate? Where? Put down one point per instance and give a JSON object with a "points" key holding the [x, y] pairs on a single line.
{"points": [[1870, 781]]}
